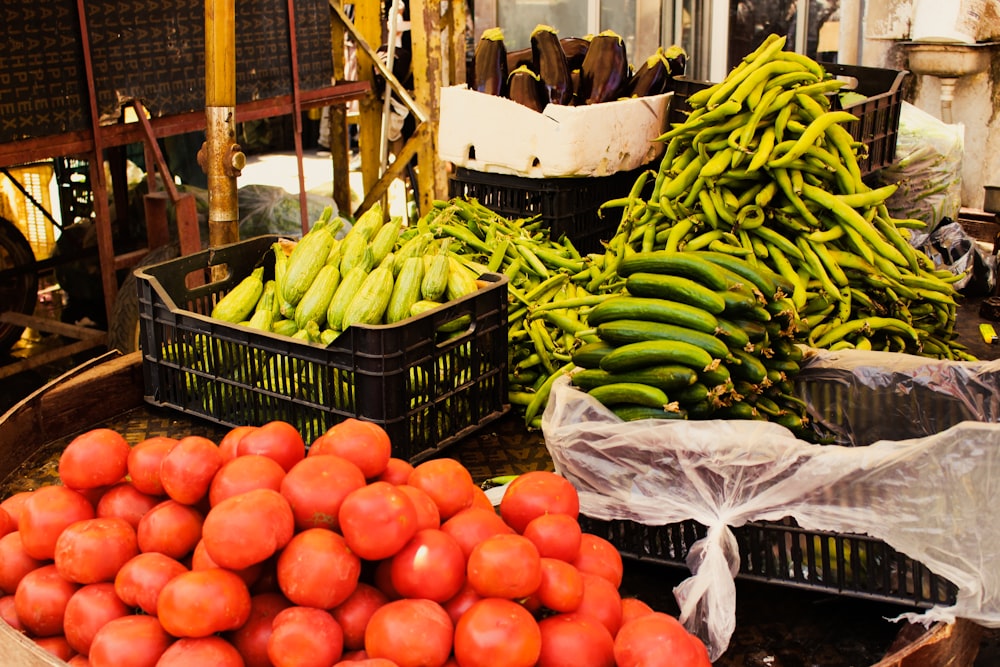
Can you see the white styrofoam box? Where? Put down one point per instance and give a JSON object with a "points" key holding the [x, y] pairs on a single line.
{"points": [[493, 134]]}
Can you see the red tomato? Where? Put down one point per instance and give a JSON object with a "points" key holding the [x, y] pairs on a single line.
{"points": [[125, 501], [377, 520], [382, 578], [199, 603], [144, 463], [535, 493], [317, 569], [397, 471], [634, 608], [473, 525], [555, 535], [496, 627], [561, 588], [45, 514], [366, 662], [460, 602], [200, 560], [278, 440], [14, 562], [57, 646], [316, 486], [658, 640], [96, 458], [505, 566], [186, 471], [353, 613], [139, 581], [248, 529], [411, 633], [303, 637], [94, 550], [78, 660], [171, 528], [40, 601], [428, 515], [242, 474], [8, 524], [481, 500], [231, 440], [8, 612], [447, 481], [129, 641], [250, 639], [599, 556], [430, 566], [602, 601], [88, 610], [573, 640], [363, 443], [12, 504], [188, 651]]}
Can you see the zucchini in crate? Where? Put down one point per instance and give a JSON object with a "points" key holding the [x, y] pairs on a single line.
{"points": [[308, 257], [369, 304], [237, 305], [316, 300]]}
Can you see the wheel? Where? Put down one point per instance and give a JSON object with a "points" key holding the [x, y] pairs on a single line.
{"points": [[18, 293], [123, 332]]}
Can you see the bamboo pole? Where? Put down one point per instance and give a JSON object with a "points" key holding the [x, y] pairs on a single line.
{"points": [[222, 158]]}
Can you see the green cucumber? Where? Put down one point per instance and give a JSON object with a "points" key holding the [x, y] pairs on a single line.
{"points": [[654, 310], [669, 377], [589, 355], [620, 332], [731, 334], [631, 413], [749, 368], [675, 288], [763, 278], [636, 393], [676, 263], [655, 353]]}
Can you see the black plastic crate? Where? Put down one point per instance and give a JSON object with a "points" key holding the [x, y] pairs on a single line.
{"points": [[786, 554], [878, 114], [425, 388], [566, 206]]}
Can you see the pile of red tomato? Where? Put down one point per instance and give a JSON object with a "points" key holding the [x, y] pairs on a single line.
{"points": [[260, 551]]}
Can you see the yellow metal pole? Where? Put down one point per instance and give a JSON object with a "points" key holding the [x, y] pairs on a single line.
{"points": [[221, 158]]}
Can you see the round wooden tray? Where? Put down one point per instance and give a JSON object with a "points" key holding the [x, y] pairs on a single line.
{"points": [[775, 625]]}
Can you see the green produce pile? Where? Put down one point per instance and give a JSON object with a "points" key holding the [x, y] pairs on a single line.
{"points": [[380, 272], [756, 233], [763, 169]]}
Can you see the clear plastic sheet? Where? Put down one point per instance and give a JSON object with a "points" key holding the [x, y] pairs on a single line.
{"points": [[857, 397], [928, 168], [932, 498]]}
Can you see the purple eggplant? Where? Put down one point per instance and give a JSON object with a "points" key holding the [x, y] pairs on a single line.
{"points": [[525, 87], [604, 73], [490, 62], [651, 78], [575, 49], [549, 62]]}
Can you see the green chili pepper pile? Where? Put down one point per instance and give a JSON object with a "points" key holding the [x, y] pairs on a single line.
{"points": [[763, 169]]}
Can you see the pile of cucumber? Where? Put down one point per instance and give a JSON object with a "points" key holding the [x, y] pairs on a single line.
{"points": [[696, 335]]}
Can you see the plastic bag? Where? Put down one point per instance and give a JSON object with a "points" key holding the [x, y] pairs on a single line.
{"points": [[930, 498], [928, 168], [268, 209], [953, 249]]}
